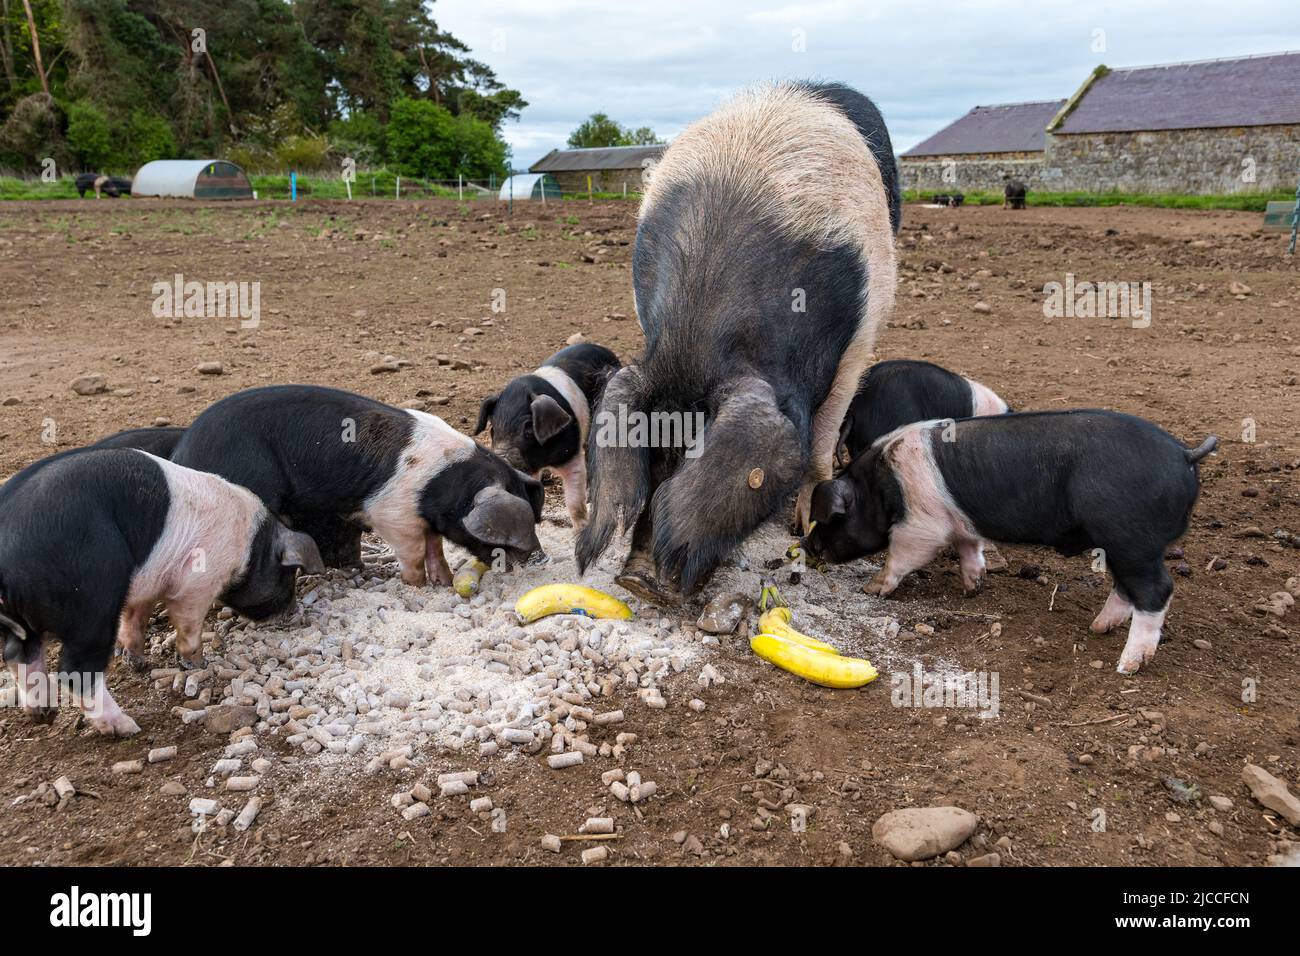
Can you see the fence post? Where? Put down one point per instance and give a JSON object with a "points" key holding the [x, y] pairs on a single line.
{"points": [[293, 186], [1295, 220], [460, 187], [590, 197], [398, 188]]}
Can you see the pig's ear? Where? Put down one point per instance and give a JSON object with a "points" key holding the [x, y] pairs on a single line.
{"points": [[485, 410], [832, 499], [549, 418], [500, 518], [298, 550]]}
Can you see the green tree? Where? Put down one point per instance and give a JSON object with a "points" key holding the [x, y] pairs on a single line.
{"points": [[425, 139], [480, 153], [641, 136], [147, 137], [89, 137], [598, 130], [258, 76], [421, 138]]}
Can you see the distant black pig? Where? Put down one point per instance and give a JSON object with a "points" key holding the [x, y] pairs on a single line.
{"points": [[1074, 481], [764, 262], [114, 186], [332, 463], [92, 540], [901, 391], [1014, 195], [540, 421]]}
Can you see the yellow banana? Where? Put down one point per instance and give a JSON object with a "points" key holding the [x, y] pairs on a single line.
{"points": [[777, 623], [569, 599], [467, 579], [828, 670]]}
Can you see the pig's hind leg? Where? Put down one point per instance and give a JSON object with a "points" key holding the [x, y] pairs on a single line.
{"points": [[1150, 588], [26, 661], [86, 655]]}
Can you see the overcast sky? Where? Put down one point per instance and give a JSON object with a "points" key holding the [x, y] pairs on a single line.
{"points": [[664, 63]]}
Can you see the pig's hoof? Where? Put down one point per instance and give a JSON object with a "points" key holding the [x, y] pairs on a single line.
{"points": [[119, 725], [417, 579], [1132, 658], [1100, 625], [878, 588], [41, 715], [133, 659], [647, 588], [195, 663], [440, 576]]}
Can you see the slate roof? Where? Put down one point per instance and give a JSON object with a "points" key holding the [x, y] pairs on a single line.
{"points": [[612, 157], [1009, 128], [1248, 91]]}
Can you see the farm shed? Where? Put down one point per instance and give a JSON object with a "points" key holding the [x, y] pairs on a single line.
{"points": [[192, 179], [612, 169], [981, 147], [1210, 126], [525, 186]]}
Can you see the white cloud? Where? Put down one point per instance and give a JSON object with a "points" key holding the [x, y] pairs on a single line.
{"points": [[665, 63]]}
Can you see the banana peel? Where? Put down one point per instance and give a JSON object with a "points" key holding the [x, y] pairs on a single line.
{"points": [[777, 623], [828, 670], [551, 599], [779, 643]]}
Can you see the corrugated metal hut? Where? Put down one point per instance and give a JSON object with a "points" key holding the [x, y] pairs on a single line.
{"points": [[192, 179], [525, 186]]}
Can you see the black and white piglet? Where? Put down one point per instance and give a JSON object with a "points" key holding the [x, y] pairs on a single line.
{"points": [[902, 391], [540, 420], [92, 540], [1074, 481], [333, 463]]}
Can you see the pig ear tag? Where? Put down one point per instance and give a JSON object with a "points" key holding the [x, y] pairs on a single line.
{"points": [[756, 478]]}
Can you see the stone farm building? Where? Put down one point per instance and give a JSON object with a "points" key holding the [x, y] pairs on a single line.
{"points": [[1213, 126], [612, 168]]}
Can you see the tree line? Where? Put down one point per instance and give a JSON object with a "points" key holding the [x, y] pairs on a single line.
{"points": [[270, 84]]}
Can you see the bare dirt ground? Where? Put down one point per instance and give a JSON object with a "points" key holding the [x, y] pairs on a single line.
{"points": [[340, 280]]}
